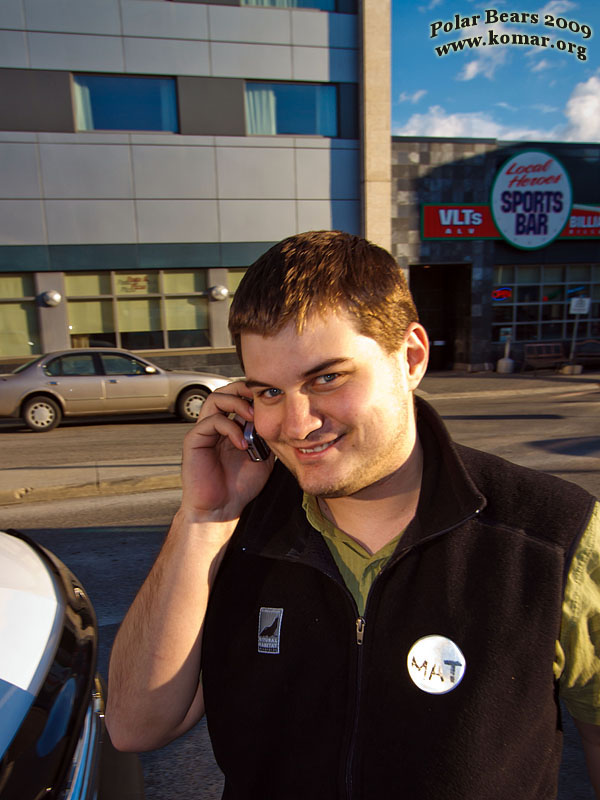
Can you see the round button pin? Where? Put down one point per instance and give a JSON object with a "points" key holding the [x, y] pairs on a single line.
{"points": [[436, 664]]}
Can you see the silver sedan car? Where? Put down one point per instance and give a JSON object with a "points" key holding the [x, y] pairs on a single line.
{"points": [[92, 381]]}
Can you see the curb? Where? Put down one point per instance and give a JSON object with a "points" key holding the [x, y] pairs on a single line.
{"points": [[101, 489], [487, 393]]}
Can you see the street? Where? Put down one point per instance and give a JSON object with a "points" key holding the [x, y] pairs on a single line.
{"points": [[111, 542]]}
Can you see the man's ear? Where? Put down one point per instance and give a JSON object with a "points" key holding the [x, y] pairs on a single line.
{"points": [[416, 346]]}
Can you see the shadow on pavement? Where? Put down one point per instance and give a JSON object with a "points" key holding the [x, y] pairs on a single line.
{"points": [[574, 446], [501, 416]]}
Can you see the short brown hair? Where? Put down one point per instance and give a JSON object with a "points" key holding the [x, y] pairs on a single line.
{"points": [[318, 271]]}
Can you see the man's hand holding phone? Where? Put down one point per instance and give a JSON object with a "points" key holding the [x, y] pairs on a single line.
{"points": [[219, 479], [156, 656]]}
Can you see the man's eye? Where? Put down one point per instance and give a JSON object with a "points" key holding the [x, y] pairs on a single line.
{"points": [[271, 393], [329, 378]]}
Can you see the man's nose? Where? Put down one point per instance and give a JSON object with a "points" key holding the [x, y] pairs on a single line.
{"points": [[300, 417]]}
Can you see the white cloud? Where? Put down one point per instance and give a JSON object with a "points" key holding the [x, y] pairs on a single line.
{"points": [[471, 70], [555, 7], [545, 109], [507, 106], [582, 120], [476, 124], [541, 65], [429, 6], [405, 97], [486, 60], [583, 112], [485, 65]]}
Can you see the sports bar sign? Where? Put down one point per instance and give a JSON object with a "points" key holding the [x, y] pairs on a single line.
{"points": [[531, 199], [530, 206]]}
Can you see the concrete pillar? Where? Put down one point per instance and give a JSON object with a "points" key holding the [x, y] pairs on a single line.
{"points": [[218, 311], [52, 320], [376, 121]]}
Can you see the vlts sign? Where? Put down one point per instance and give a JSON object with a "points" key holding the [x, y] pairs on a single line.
{"points": [[530, 206]]}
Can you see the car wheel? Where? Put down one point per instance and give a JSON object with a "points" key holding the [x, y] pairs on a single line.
{"points": [[190, 403], [41, 413]]}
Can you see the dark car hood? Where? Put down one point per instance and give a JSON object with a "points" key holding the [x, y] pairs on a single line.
{"points": [[48, 648], [30, 627]]}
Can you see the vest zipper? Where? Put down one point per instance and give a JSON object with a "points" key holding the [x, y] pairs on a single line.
{"points": [[360, 635], [360, 630]]}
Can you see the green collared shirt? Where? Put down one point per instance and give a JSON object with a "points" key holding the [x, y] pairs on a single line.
{"points": [[577, 661]]}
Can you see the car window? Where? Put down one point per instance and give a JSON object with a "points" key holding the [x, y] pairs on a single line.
{"points": [[75, 364], [53, 368], [122, 365]]}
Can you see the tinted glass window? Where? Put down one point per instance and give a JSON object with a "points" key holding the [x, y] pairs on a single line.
{"points": [[19, 334], [121, 365], [291, 108], [123, 102], [323, 5], [75, 364]]}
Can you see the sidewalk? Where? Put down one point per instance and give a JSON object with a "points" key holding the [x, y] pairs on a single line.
{"points": [[442, 385], [108, 478]]}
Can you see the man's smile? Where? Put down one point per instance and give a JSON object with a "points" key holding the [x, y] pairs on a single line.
{"points": [[318, 448]]}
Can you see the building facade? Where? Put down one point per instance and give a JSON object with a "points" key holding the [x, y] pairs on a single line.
{"points": [[477, 282], [150, 150]]}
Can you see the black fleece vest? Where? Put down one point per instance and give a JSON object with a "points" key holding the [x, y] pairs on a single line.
{"points": [[297, 709]]}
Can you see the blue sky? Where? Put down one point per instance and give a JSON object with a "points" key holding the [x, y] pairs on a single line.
{"points": [[502, 91]]}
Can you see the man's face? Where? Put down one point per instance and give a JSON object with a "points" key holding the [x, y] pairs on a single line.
{"points": [[333, 406]]}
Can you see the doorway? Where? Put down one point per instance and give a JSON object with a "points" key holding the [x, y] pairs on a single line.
{"points": [[442, 294]]}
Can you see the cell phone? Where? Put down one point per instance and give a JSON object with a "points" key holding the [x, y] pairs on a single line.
{"points": [[258, 449]]}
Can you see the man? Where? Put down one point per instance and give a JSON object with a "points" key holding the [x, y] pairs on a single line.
{"points": [[377, 612]]}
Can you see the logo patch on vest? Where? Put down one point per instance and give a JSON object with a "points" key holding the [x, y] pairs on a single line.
{"points": [[435, 664], [269, 629]]}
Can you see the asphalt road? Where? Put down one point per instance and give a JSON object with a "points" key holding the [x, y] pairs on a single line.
{"points": [[157, 438], [111, 542]]}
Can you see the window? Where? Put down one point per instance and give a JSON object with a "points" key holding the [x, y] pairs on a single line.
{"points": [[532, 302], [125, 103], [91, 318], [148, 310], [114, 364], [71, 365], [291, 108], [323, 5], [342, 6], [19, 334], [138, 318], [234, 278], [186, 308], [139, 323]]}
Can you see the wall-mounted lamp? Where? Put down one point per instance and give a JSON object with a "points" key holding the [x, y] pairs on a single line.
{"points": [[51, 298], [219, 292]]}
